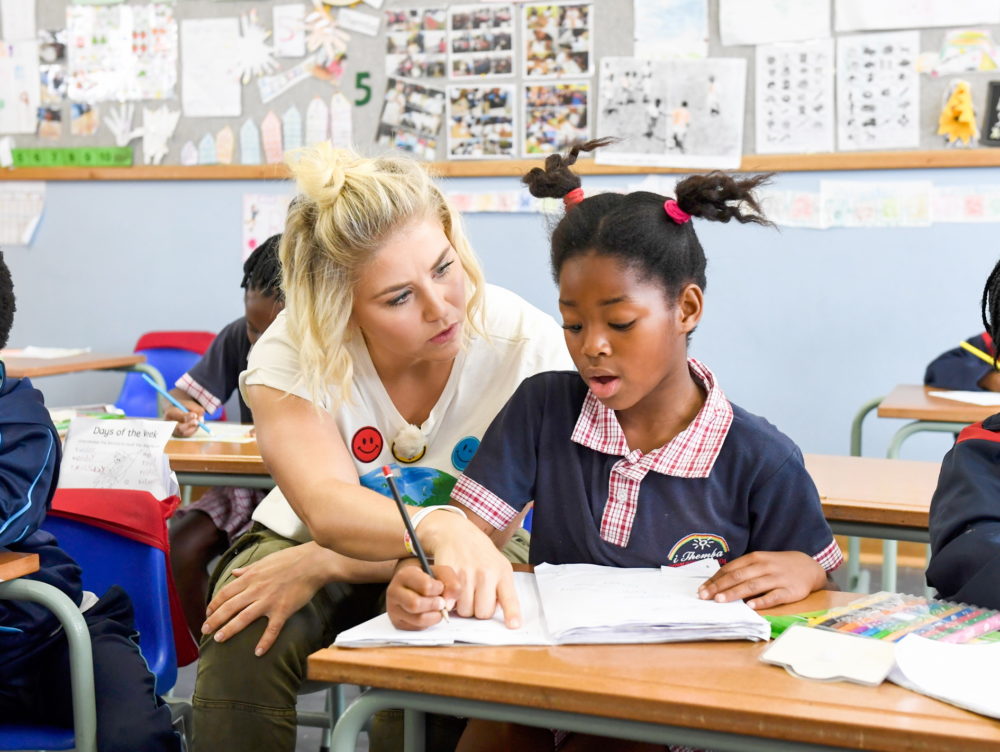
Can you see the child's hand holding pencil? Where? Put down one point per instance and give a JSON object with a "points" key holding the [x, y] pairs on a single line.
{"points": [[415, 600]]}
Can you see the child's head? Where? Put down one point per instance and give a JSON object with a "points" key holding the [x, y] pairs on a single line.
{"points": [[631, 272], [990, 305], [7, 306], [263, 298], [369, 246]]}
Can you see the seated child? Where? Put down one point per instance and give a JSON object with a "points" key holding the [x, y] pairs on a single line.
{"points": [[34, 652], [964, 367], [965, 509], [205, 529], [637, 459]]}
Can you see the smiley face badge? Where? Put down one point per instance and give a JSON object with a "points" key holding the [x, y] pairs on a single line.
{"points": [[367, 444], [463, 452]]}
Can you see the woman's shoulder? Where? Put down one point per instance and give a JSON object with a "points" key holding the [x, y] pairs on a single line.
{"points": [[508, 315]]}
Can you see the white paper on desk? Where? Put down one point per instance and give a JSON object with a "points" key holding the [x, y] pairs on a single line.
{"points": [[118, 454], [963, 675], [826, 655], [231, 433], [765, 21], [32, 351], [986, 399]]}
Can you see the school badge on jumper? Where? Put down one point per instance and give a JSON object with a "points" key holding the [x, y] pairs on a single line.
{"points": [[698, 546]]}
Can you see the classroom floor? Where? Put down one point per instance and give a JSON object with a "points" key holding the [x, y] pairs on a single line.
{"points": [[910, 580]]}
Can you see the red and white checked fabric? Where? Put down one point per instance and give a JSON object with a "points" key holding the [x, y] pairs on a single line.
{"points": [[198, 393], [481, 500], [690, 454], [830, 557]]}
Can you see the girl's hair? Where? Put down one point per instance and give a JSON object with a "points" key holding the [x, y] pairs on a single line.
{"points": [[990, 307], [262, 269], [7, 304], [346, 208], [635, 227]]}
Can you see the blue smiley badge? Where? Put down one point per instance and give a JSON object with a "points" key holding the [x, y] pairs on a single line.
{"points": [[463, 452]]}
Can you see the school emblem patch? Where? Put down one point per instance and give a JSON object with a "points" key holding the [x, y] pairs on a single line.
{"points": [[698, 546]]}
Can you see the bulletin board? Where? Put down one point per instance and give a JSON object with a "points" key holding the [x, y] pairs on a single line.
{"points": [[363, 81]]}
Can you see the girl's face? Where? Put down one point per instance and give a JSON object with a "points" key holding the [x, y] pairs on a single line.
{"points": [[628, 341], [410, 300]]}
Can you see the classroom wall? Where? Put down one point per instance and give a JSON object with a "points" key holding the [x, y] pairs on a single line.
{"points": [[801, 326]]}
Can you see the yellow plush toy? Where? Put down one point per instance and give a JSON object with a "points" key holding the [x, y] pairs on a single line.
{"points": [[958, 119]]}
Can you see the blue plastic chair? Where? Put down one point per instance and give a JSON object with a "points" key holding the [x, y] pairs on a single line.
{"points": [[172, 354]]}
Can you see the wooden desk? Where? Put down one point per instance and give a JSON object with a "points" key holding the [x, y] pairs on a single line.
{"points": [[914, 402], [14, 565], [20, 368], [218, 463], [714, 695]]}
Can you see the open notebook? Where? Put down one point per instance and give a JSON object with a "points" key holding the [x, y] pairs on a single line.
{"points": [[586, 603]]}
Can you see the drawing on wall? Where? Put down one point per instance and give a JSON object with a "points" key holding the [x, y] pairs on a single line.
{"points": [[673, 113], [481, 40], [558, 40], [794, 93], [667, 29], [480, 121], [556, 116], [19, 87], [878, 91], [327, 42], [411, 118], [416, 43]]}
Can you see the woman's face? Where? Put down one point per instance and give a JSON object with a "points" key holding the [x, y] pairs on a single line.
{"points": [[410, 300]]}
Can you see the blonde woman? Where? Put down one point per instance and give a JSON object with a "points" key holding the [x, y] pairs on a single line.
{"points": [[391, 350]]}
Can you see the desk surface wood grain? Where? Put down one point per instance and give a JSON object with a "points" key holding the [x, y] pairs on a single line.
{"points": [[20, 368], [914, 402]]}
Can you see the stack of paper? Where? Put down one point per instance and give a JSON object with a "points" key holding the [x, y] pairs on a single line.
{"points": [[584, 603]]}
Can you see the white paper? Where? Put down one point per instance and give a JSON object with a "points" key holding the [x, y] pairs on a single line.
{"points": [[263, 216], [21, 207], [249, 143], [210, 80], [341, 127], [17, 20], [826, 655], [158, 127], [118, 454], [963, 675], [118, 120], [206, 150], [792, 208], [6, 152], [355, 20], [966, 203], [291, 129], [850, 203], [231, 433], [19, 87], [189, 154], [317, 122], [667, 29], [49, 353], [273, 86], [794, 92], [289, 30], [878, 91], [765, 21], [870, 15], [986, 399], [673, 113]]}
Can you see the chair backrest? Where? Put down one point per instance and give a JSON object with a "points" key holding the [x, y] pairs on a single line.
{"points": [[172, 354], [141, 570]]}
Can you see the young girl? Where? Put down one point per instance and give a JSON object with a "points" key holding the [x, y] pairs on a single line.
{"points": [[638, 459]]}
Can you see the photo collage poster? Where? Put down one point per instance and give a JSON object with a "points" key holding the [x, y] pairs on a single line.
{"points": [[416, 43], [556, 116], [481, 40], [411, 118], [481, 122], [558, 40]]}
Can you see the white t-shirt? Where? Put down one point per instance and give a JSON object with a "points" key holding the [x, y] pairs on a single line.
{"points": [[522, 341]]}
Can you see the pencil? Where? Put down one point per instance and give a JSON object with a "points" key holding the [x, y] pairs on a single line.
{"points": [[172, 400], [979, 353], [410, 530]]}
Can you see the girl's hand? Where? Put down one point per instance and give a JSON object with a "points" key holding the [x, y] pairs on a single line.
{"points": [[768, 578], [187, 422], [415, 600]]}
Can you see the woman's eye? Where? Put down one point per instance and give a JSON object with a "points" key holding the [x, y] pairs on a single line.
{"points": [[443, 269], [400, 299], [622, 327]]}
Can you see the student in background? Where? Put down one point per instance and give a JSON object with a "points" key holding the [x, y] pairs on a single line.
{"points": [[205, 529], [965, 367], [636, 459], [34, 653], [965, 509]]}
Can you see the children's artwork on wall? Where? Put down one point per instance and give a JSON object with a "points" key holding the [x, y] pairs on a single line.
{"points": [[52, 65], [119, 122], [673, 113], [50, 122], [83, 119], [792, 208], [865, 15], [878, 91], [158, 127], [317, 122], [852, 203], [19, 87], [362, 23], [768, 21], [17, 20], [556, 116], [254, 56], [206, 150], [341, 125], [249, 143], [210, 76], [263, 216], [289, 24], [291, 129], [326, 42], [480, 122], [794, 93], [957, 122], [225, 145], [416, 43], [962, 51], [481, 40], [270, 136], [558, 40], [411, 118], [21, 206], [271, 87], [189, 154], [667, 29]]}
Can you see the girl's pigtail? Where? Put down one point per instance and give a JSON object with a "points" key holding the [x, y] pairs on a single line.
{"points": [[720, 197], [990, 308], [557, 180]]}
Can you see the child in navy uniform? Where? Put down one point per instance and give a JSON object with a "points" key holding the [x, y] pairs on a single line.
{"points": [[205, 529], [34, 653], [964, 369], [965, 509], [638, 459]]}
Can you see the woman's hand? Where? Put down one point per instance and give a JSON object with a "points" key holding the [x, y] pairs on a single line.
{"points": [[415, 600], [187, 422], [768, 578]]}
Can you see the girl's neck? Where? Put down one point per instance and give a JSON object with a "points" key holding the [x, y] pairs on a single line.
{"points": [[656, 419], [414, 386]]}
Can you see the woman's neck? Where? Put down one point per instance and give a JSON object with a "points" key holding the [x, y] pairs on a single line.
{"points": [[413, 386], [656, 419]]}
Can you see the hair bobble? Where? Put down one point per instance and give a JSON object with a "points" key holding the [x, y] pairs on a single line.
{"points": [[573, 198], [675, 212]]}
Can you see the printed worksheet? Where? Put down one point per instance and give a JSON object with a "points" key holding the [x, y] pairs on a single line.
{"points": [[794, 92]]}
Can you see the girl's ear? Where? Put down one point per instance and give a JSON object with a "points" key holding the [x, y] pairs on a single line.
{"points": [[689, 307]]}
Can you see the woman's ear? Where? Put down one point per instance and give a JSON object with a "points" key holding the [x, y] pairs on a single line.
{"points": [[689, 307]]}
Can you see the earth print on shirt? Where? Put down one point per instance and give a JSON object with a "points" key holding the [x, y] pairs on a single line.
{"points": [[698, 546], [419, 486]]}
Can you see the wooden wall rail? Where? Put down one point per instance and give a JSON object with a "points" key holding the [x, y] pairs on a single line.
{"points": [[863, 160]]}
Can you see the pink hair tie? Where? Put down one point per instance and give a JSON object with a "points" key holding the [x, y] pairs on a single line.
{"points": [[675, 212], [574, 197]]}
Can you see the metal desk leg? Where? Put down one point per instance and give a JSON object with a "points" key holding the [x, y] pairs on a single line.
{"points": [[920, 426], [154, 374], [858, 420], [413, 730], [889, 549], [857, 581]]}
